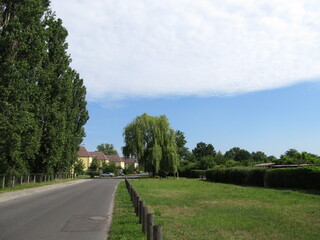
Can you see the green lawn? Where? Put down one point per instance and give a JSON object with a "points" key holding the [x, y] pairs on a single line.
{"points": [[190, 209], [125, 225]]}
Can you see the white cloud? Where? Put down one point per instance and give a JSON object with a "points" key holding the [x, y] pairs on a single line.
{"points": [[196, 47]]}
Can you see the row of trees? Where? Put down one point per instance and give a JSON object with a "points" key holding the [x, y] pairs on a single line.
{"points": [[159, 148], [42, 99]]}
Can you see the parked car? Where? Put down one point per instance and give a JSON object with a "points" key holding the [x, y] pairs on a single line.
{"points": [[108, 174], [121, 174]]}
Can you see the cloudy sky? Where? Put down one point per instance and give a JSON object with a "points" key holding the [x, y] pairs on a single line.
{"points": [[134, 55]]}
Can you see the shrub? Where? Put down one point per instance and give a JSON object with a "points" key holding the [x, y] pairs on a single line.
{"points": [[197, 173], [241, 176], [301, 178]]}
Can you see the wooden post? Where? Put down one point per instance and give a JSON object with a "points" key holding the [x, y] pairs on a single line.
{"points": [[137, 206], [141, 203], [144, 219], [150, 227], [157, 232]]}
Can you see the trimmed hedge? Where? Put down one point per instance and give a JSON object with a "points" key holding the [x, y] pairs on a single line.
{"points": [[301, 178], [197, 173], [241, 176]]}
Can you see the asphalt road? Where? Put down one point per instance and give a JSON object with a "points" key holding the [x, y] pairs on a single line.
{"points": [[79, 211]]}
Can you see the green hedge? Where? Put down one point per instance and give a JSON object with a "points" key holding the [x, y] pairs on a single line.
{"points": [[242, 176], [301, 178], [197, 173]]}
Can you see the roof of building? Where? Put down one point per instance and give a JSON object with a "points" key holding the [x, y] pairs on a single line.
{"points": [[99, 155], [129, 160], [114, 158], [83, 152]]}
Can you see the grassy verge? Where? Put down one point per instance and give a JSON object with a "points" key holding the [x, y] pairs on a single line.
{"points": [[190, 209], [125, 225], [33, 185]]}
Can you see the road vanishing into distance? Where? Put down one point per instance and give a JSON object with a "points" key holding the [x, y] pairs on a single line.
{"points": [[80, 211]]}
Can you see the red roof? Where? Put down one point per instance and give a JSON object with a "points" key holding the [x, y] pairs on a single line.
{"points": [[129, 160], [83, 152], [114, 158], [98, 155]]}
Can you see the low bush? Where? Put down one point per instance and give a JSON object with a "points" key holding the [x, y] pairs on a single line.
{"points": [[241, 176], [301, 178], [197, 173]]}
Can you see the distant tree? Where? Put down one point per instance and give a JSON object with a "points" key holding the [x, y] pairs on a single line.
{"points": [[79, 167], [107, 149], [237, 154], [109, 167], [94, 168], [259, 157], [272, 159], [206, 162], [292, 153], [183, 151], [220, 159], [202, 149], [152, 141]]}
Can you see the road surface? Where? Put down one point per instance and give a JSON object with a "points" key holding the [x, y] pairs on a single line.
{"points": [[78, 211]]}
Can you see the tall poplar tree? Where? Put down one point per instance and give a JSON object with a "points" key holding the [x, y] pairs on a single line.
{"points": [[152, 141], [42, 99]]}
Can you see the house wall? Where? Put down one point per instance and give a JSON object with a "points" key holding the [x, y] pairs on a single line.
{"points": [[87, 161]]}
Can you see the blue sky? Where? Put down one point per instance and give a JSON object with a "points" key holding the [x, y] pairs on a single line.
{"points": [[272, 121], [231, 73]]}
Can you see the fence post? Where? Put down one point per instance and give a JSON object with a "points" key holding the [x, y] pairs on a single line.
{"points": [[137, 206], [157, 232], [144, 219], [150, 227], [141, 205], [3, 181]]}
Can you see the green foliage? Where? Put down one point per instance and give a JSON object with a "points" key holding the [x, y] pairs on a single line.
{"points": [[202, 150], [301, 178], [152, 141], [239, 175], [109, 167], [197, 173], [42, 100], [79, 167], [107, 149], [94, 168]]}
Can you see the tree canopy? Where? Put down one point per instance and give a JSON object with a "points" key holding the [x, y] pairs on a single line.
{"points": [[42, 99], [152, 141], [107, 149]]}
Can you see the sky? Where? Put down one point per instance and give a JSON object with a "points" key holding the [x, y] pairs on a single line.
{"points": [[231, 73]]}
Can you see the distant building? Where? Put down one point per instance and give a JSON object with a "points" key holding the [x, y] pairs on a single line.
{"points": [[116, 160], [100, 156], [87, 157]]}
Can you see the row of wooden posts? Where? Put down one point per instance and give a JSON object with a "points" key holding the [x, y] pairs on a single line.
{"points": [[154, 232], [12, 180]]}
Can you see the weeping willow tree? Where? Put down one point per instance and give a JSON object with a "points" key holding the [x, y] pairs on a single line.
{"points": [[152, 141]]}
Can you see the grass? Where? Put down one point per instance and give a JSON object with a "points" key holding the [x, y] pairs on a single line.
{"points": [[125, 225], [33, 185], [190, 209]]}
